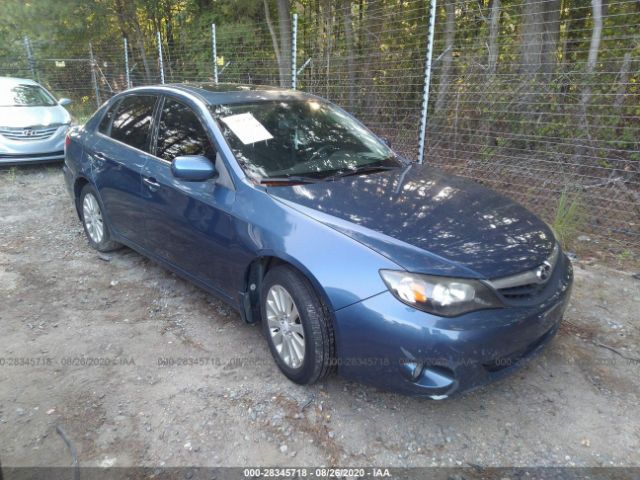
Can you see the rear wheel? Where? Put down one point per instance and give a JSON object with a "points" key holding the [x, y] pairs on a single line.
{"points": [[95, 226], [297, 326]]}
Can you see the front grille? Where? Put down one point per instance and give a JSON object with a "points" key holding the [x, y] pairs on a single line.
{"points": [[530, 284], [28, 133], [522, 292]]}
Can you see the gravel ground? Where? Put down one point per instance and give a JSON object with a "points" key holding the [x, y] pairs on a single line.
{"points": [[65, 308]]}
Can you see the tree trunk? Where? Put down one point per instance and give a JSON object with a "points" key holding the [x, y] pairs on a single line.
{"points": [[143, 54], [623, 80], [532, 36], [169, 32], [592, 61], [327, 25], [540, 35], [574, 24], [487, 121], [123, 13], [284, 24], [447, 56], [373, 26], [348, 34], [594, 49], [494, 30], [122, 18], [551, 35], [596, 35], [274, 38]]}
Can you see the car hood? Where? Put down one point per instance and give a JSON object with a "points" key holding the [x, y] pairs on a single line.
{"points": [[20, 117], [427, 221]]}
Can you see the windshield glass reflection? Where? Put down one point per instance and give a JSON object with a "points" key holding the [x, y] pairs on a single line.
{"points": [[272, 139]]}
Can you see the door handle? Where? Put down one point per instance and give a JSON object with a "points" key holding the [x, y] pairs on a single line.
{"points": [[99, 158], [151, 183]]}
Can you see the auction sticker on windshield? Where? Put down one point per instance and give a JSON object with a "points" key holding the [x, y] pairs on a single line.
{"points": [[247, 128]]}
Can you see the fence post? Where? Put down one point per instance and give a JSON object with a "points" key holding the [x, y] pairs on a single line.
{"points": [[427, 81], [126, 62], [30, 60], [94, 77], [214, 45], [160, 57], [294, 51]]}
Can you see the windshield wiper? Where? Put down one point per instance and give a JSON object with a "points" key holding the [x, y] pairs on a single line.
{"points": [[307, 179], [289, 179], [359, 171]]}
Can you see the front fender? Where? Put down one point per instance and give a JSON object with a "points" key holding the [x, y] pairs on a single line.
{"points": [[343, 270]]}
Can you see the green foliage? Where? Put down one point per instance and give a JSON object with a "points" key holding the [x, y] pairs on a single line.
{"points": [[624, 256], [569, 218], [10, 174], [528, 130]]}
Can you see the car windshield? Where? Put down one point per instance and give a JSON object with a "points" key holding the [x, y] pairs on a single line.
{"points": [[300, 138], [25, 96]]}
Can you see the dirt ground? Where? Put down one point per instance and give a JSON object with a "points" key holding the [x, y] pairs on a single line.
{"points": [[85, 336]]}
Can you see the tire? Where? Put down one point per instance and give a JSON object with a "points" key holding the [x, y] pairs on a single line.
{"points": [[313, 320], [93, 221]]}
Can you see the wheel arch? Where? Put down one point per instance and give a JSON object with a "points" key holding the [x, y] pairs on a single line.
{"points": [[78, 185], [255, 274]]}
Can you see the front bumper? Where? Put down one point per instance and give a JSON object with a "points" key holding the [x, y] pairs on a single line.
{"points": [[14, 159], [381, 340], [18, 152]]}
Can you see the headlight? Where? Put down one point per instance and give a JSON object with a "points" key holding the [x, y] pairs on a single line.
{"points": [[443, 296]]}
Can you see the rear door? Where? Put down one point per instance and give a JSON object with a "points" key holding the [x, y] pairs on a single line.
{"points": [[118, 158], [189, 223]]}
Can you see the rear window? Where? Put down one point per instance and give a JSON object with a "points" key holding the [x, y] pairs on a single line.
{"points": [[132, 122], [25, 96]]}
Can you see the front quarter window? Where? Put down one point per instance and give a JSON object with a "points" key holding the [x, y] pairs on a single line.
{"points": [[105, 123], [181, 133], [285, 138]]}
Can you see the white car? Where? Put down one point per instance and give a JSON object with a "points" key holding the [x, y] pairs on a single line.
{"points": [[33, 124]]}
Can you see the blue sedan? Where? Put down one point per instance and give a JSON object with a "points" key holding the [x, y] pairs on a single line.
{"points": [[350, 257]]}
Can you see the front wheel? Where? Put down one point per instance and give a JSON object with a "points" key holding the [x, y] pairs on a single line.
{"points": [[297, 326], [95, 226]]}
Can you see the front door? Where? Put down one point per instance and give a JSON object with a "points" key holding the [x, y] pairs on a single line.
{"points": [[189, 223]]}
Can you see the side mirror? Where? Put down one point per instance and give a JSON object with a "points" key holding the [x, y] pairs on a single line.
{"points": [[193, 168], [64, 102]]}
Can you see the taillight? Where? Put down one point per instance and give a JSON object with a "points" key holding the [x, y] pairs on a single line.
{"points": [[67, 141]]}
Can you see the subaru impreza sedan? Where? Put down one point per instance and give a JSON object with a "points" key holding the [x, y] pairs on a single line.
{"points": [[33, 124], [351, 258]]}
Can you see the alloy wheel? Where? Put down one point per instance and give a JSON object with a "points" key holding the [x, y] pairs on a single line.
{"points": [[93, 218], [285, 326]]}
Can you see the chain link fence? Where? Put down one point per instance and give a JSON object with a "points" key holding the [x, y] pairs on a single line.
{"points": [[538, 99]]}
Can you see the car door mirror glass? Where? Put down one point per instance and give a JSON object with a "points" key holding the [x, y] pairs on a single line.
{"points": [[192, 168], [64, 102]]}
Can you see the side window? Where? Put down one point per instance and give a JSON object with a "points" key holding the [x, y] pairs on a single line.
{"points": [[132, 122], [105, 123], [181, 133]]}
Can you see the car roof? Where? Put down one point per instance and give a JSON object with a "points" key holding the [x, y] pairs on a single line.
{"points": [[229, 93], [9, 81]]}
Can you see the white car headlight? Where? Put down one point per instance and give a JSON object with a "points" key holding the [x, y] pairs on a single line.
{"points": [[443, 296]]}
